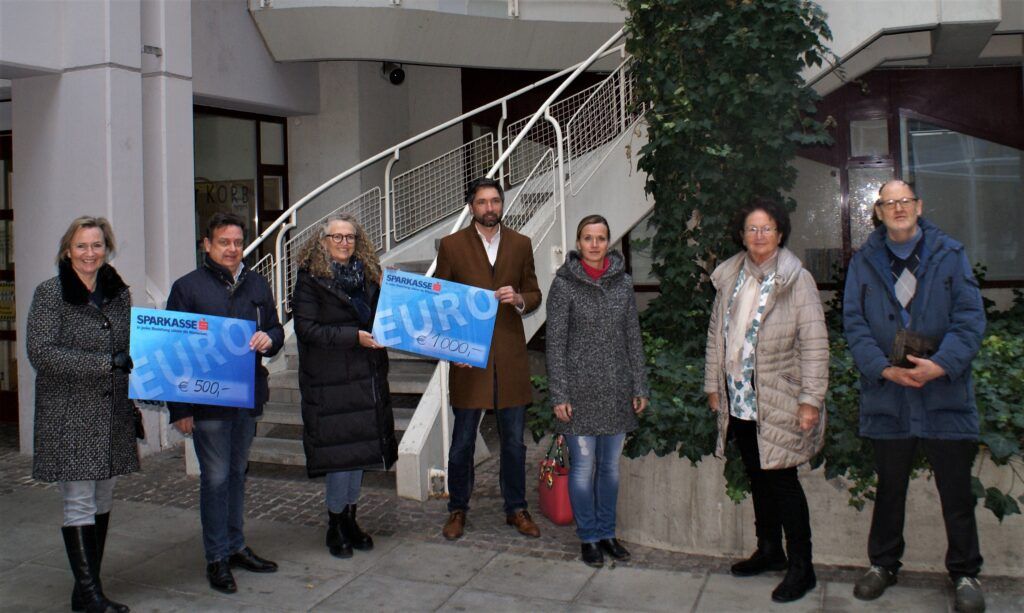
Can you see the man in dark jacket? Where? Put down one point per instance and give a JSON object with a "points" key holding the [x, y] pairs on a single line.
{"points": [[910, 277], [222, 435]]}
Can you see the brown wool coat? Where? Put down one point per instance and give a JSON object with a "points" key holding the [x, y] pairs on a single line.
{"points": [[461, 258]]}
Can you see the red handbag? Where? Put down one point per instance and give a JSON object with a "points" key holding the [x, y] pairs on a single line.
{"points": [[553, 483]]}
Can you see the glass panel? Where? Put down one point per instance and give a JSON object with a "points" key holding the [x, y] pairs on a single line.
{"points": [[864, 186], [869, 138], [816, 236], [971, 188], [225, 171], [271, 143], [640, 258], [273, 194]]}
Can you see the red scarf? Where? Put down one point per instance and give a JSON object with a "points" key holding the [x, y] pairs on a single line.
{"points": [[595, 273]]}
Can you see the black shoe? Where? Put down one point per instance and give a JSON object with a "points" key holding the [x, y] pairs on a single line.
{"points": [[873, 583], [80, 544], [591, 554], [969, 596], [247, 559], [613, 548], [219, 575], [799, 580], [768, 556], [359, 539], [337, 541]]}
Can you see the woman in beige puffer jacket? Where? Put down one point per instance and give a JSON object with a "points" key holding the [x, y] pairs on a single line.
{"points": [[766, 380]]}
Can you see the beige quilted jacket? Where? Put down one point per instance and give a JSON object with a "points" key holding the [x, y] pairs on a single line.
{"points": [[790, 362]]}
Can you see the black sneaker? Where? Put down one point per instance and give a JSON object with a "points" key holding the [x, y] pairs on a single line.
{"points": [[969, 597], [872, 584]]}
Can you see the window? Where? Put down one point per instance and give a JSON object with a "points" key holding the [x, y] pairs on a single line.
{"points": [[971, 188]]}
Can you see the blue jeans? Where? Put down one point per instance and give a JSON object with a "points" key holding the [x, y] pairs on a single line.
{"points": [[343, 489], [222, 446], [512, 472], [594, 483]]}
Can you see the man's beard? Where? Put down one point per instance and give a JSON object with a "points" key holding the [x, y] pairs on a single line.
{"points": [[489, 220]]}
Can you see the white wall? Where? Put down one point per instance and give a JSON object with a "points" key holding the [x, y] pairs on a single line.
{"points": [[233, 69]]}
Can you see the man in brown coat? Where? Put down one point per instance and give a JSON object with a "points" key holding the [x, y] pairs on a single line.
{"points": [[489, 255]]}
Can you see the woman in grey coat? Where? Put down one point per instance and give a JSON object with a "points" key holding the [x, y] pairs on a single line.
{"points": [[84, 422], [596, 379]]}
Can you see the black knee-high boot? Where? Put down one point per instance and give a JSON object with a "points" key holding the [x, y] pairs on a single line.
{"points": [[102, 523], [81, 545]]}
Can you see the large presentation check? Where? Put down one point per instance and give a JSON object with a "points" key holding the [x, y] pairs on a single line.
{"points": [[184, 357], [436, 318]]}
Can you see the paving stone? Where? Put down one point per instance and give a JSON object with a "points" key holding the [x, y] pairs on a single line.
{"points": [[728, 593], [644, 590], [468, 599], [372, 592], [839, 597], [146, 598], [433, 563], [30, 541], [32, 587], [1002, 602], [547, 579]]}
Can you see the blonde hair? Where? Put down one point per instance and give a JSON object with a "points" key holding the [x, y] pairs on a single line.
{"points": [[314, 256], [86, 221]]}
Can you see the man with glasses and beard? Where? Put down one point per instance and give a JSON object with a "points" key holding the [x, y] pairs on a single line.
{"points": [[490, 255]]}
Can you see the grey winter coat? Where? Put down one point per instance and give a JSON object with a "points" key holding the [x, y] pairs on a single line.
{"points": [[790, 362], [84, 422], [595, 355]]}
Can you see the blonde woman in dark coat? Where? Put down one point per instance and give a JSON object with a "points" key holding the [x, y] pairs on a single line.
{"points": [[77, 341]]}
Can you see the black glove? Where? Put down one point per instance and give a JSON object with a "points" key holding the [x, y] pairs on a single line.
{"points": [[122, 361]]}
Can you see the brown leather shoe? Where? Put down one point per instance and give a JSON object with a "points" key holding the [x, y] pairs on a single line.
{"points": [[455, 526], [524, 523]]}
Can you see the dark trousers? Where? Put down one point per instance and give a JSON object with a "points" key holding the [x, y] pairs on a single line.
{"points": [[951, 462], [779, 501], [512, 472], [222, 447]]}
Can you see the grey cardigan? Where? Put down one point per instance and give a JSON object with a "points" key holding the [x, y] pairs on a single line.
{"points": [[595, 355]]}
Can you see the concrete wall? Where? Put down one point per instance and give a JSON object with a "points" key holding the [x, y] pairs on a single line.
{"points": [[362, 114], [233, 69], [669, 504]]}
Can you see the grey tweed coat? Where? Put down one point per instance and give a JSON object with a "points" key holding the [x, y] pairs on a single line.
{"points": [[84, 428], [595, 354]]}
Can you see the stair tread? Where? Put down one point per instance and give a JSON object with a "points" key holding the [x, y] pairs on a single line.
{"points": [[277, 451], [289, 379], [291, 414]]}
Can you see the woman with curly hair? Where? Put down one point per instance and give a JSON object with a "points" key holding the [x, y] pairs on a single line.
{"points": [[346, 404]]}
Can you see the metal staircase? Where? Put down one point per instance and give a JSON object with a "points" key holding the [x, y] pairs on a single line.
{"points": [[571, 157]]}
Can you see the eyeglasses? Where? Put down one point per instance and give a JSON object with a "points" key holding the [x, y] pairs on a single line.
{"points": [[767, 230], [338, 239], [891, 204]]}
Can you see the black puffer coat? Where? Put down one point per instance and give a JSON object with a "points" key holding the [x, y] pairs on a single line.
{"points": [[84, 422], [346, 403]]}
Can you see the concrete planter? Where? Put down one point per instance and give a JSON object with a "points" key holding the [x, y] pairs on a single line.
{"points": [[669, 504]]}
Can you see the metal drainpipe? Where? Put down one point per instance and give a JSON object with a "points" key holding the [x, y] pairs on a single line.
{"points": [[559, 143], [446, 435], [387, 201]]}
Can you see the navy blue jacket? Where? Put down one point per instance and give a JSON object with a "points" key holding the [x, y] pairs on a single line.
{"points": [[207, 290], [947, 305]]}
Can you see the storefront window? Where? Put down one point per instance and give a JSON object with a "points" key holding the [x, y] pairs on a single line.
{"points": [[240, 167], [972, 189]]}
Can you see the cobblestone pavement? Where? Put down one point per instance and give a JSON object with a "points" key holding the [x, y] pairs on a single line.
{"points": [[286, 495]]}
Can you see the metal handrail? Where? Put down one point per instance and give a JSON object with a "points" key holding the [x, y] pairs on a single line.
{"points": [[392, 151], [601, 51]]}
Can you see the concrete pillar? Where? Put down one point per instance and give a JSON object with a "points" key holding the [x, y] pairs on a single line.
{"points": [[167, 159], [78, 138]]}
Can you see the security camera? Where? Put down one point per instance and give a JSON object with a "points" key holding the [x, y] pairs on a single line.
{"points": [[392, 72]]}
